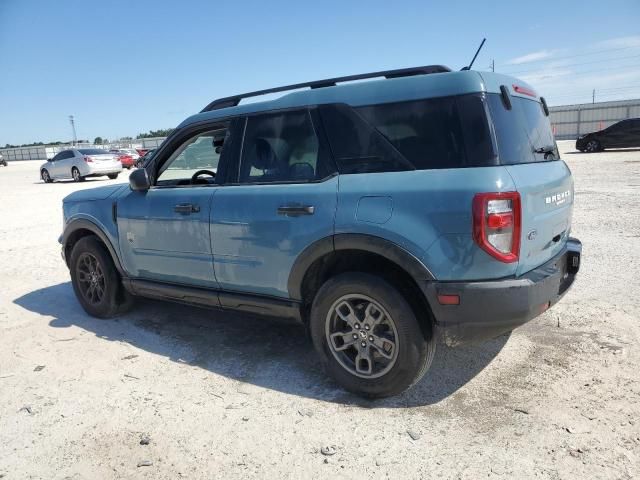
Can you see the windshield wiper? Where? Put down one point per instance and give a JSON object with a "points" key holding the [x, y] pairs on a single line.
{"points": [[546, 150]]}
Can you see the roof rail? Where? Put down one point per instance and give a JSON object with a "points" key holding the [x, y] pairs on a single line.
{"points": [[329, 82]]}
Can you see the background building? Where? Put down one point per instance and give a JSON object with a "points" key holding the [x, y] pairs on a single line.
{"points": [[571, 121]]}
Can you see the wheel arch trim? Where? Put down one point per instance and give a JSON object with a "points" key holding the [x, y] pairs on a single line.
{"points": [[84, 224], [355, 241]]}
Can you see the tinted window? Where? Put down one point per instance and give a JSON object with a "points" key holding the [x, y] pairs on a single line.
{"points": [[449, 132], [282, 147], [428, 133], [521, 130], [64, 155], [92, 151], [357, 147]]}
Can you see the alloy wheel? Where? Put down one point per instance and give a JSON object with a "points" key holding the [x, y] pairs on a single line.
{"points": [[76, 174], [592, 146], [91, 279], [362, 336]]}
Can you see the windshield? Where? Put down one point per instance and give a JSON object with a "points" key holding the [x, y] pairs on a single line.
{"points": [[93, 151], [523, 133]]}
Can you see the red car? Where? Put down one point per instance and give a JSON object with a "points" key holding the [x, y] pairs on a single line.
{"points": [[126, 160]]}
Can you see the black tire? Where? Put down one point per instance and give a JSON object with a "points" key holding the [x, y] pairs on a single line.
{"points": [[112, 176], [114, 299], [46, 178], [414, 352], [75, 174]]}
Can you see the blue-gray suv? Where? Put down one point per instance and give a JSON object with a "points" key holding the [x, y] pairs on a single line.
{"points": [[383, 215]]}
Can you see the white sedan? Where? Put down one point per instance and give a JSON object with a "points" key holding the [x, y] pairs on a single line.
{"points": [[78, 164]]}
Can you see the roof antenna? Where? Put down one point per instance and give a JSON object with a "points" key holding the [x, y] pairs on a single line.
{"points": [[474, 57]]}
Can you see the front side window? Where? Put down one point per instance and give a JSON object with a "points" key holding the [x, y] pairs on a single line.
{"points": [[281, 147], [200, 152]]}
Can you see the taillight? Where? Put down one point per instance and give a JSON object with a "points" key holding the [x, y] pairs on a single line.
{"points": [[497, 224], [88, 159]]}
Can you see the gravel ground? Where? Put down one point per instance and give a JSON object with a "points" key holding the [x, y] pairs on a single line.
{"points": [[219, 396]]}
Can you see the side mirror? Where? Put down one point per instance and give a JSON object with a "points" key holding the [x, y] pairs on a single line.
{"points": [[49, 159], [139, 180]]}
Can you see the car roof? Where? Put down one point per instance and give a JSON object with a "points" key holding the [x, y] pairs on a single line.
{"points": [[373, 92]]}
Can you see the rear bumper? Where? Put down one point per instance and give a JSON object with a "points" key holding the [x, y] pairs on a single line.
{"points": [[490, 308]]}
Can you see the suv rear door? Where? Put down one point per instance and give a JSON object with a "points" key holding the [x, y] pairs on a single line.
{"points": [[281, 199], [542, 179]]}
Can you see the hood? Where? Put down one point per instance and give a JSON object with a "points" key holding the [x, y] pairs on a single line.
{"points": [[99, 193]]}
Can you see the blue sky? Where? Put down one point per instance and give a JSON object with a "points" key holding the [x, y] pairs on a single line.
{"points": [[125, 67]]}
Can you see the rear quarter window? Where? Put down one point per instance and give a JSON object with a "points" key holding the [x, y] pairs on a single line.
{"points": [[436, 133]]}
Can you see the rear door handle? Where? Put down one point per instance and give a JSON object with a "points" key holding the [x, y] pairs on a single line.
{"points": [[186, 208], [296, 210]]}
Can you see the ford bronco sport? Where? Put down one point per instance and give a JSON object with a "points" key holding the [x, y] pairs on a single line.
{"points": [[383, 215]]}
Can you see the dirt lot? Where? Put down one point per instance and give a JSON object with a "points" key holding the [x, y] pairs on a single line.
{"points": [[222, 396]]}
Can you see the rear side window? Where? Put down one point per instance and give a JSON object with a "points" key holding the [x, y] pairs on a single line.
{"points": [[358, 147], [426, 132], [282, 147], [521, 131], [92, 151], [447, 132]]}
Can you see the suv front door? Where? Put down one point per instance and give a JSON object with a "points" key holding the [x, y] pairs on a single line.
{"points": [[164, 232], [281, 199]]}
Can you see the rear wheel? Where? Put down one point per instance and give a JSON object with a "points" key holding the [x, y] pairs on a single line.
{"points": [[46, 178], [593, 146], [368, 337], [75, 173], [95, 279], [113, 176]]}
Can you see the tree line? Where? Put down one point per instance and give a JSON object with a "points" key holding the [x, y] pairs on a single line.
{"points": [[163, 132]]}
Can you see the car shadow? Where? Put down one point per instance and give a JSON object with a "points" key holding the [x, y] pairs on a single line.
{"points": [[250, 349], [576, 152]]}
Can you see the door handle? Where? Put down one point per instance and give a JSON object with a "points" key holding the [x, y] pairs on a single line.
{"points": [[296, 210], [186, 208]]}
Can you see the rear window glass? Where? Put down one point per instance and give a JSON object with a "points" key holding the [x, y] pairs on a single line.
{"points": [[521, 131], [92, 151]]}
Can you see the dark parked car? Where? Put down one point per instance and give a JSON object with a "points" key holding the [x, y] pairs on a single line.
{"points": [[3, 162], [619, 135]]}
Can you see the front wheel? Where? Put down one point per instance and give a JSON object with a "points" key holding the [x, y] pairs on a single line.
{"points": [[112, 176], [593, 146], [46, 178], [368, 336], [95, 279]]}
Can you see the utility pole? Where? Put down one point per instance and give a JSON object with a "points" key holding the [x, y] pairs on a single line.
{"points": [[73, 127], [493, 65], [593, 96]]}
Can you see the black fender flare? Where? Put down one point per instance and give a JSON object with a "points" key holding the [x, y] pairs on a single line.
{"points": [[355, 241], [84, 224]]}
